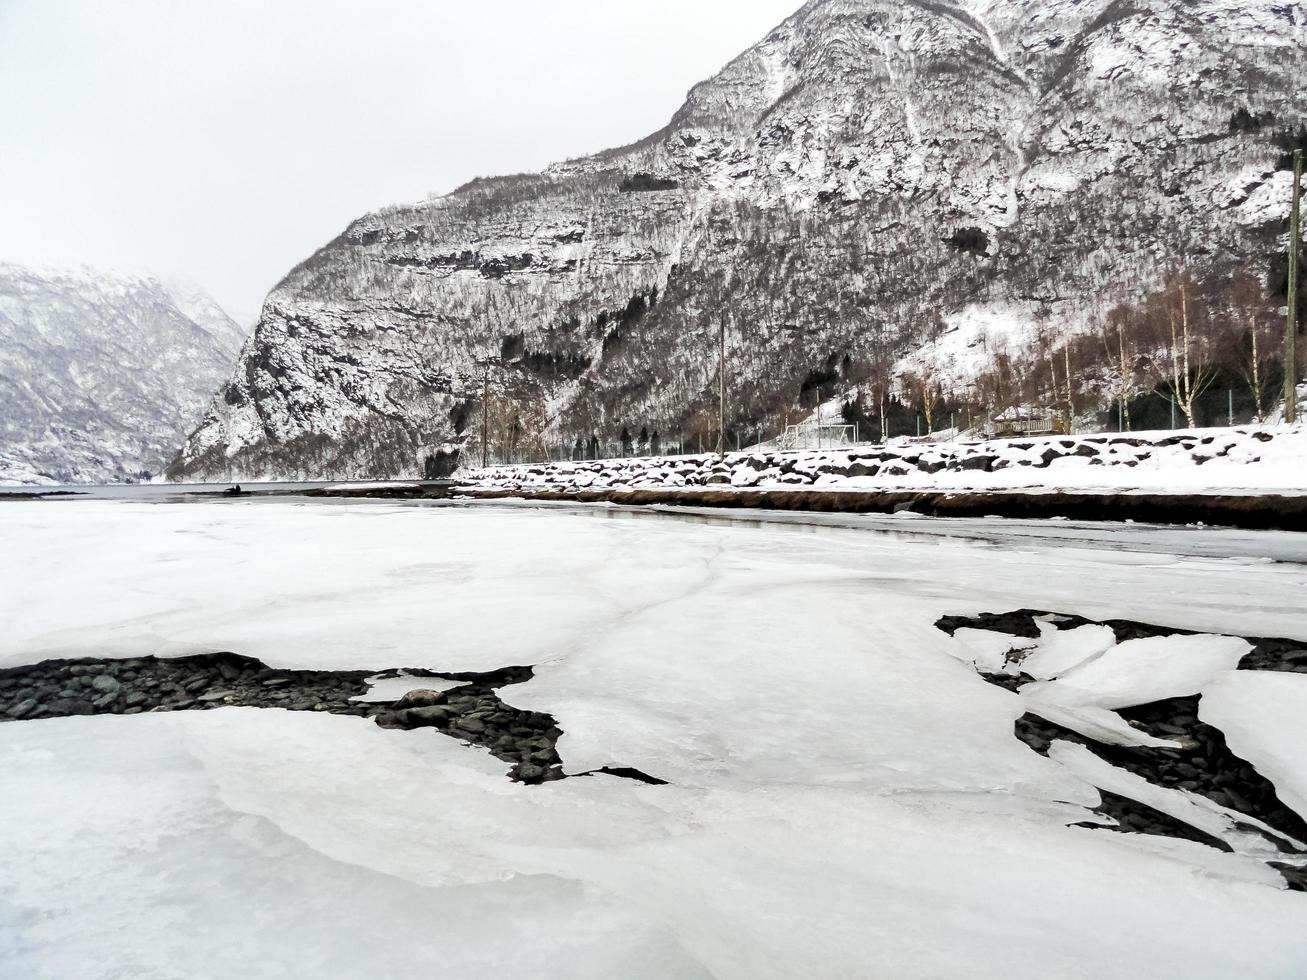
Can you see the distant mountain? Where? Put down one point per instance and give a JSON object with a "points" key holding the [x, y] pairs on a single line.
{"points": [[101, 375], [873, 173]]}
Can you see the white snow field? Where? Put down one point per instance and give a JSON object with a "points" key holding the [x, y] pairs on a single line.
{"points": [[845, 800]]}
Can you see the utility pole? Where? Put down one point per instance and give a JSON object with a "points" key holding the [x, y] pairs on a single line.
{"points": [[1291, 327], [485, 413], [721, 386]]}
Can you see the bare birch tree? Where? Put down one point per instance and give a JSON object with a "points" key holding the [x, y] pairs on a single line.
{"points": [[1253, 368], [1116, 327], [1192, 372]]}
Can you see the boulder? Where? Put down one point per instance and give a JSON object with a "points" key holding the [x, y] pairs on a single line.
{"points": [[420, 698], [429, 716]]}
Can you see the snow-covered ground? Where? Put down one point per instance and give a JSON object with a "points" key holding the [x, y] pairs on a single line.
{"points": [[845, 796], [1265, 459]]}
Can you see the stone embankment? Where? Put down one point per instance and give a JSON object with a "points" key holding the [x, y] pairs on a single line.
{"points": [[1245, 477]]}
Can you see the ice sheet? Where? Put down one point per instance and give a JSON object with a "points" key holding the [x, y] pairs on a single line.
{"points": [[1144, 670], [1060, 650], [1264, 718], [1191, 808], [846, 798], [383, 689], [988, 650], [191, 850]]}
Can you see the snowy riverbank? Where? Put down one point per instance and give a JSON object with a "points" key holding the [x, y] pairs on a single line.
{"points": [[1253, 460]]}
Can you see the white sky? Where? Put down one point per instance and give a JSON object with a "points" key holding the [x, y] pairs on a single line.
{"points": [[226, 140]]}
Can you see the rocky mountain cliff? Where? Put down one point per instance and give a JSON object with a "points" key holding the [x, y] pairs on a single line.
{"points": [[101, 376], [873, 174]]}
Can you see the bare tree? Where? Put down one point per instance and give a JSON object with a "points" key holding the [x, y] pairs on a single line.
{"points": [[1246, 344], [1254, 371], [1191, 369], [879, 368], [923, 386], [1116, 328]]}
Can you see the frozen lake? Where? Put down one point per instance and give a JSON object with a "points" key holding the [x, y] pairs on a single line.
{"points": [[845, 797]]}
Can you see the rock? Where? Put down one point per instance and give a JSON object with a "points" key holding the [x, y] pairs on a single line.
{"points": [[428, 715], [276, 682], [217, 695], [195, 685], [105, 699], [528, 773], [473, 725], [70, 706], [420, 698], [979, 462], [22, 709]]}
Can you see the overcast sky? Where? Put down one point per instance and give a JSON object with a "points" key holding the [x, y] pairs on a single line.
{"points": [[225, 140]]}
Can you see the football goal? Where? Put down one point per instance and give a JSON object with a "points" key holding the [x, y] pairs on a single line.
{"points": [[818, 435]]}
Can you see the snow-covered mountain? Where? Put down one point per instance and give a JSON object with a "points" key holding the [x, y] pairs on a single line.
{"points": [[871, 174], [101, 375]]}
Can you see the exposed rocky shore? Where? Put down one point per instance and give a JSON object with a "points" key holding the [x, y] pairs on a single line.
{"points": [[1205, 766], [472, 711]]}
